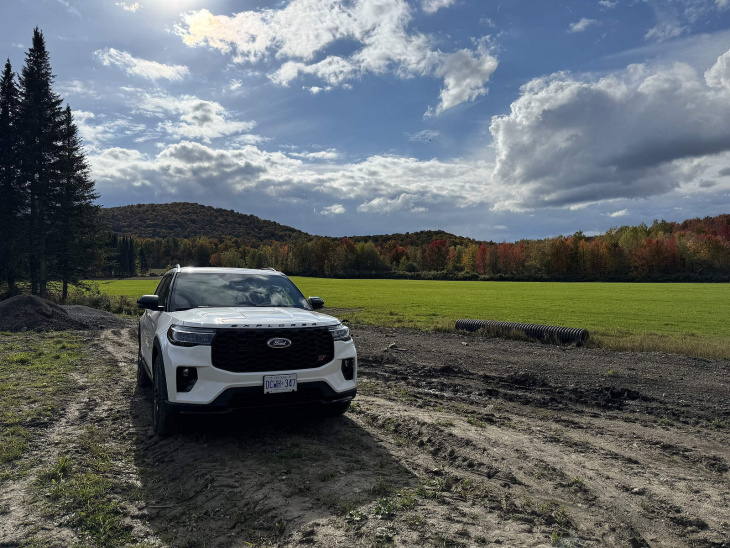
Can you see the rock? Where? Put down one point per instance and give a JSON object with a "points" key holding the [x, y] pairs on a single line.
{"points": [[638, 491]]}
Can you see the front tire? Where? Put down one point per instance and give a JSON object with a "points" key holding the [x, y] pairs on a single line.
{"points": [[164, 421]]}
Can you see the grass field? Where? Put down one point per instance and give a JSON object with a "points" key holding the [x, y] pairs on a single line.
{"points": [[686, 318]]}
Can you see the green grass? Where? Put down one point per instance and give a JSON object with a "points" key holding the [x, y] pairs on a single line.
{"points": [[34, 380], [686, 318], [81, 490]]}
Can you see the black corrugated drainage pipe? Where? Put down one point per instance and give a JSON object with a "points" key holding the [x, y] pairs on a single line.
{"points": [[565, 335]]}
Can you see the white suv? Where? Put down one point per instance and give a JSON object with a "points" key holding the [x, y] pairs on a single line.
{"points": [[214, 340]]}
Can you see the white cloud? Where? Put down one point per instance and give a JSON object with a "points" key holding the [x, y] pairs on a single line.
{"points": [[464, 76], [335, 209], [718, 76], [314, 90], [249, 139], [141, 67], [198, 119], [608, 4], [333, 70], [423, 136], [304, 29], [677, 17], [96, 133], [383, 205], [637, 133], [330, 154], [582, 25], [235, 84], [247, 174], [432, 6], [129, 7], [664, 31], [620, 213], [77, 87]]}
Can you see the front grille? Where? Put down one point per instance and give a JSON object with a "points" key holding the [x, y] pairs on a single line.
{"points": [[246, 351]]}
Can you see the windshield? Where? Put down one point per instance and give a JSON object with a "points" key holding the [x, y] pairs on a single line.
{"points": [[212, 289]]}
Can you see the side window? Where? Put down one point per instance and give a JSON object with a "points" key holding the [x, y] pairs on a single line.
{"points": [[163, 290]]}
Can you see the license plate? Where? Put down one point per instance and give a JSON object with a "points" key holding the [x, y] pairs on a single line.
{"points": [[280, 383]]}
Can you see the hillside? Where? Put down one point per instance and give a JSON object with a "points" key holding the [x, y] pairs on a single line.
{"points": [[189, 220], [420, 238]]}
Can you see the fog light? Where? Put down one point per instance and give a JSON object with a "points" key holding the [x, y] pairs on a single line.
{"points": [[348, 368], [186, 378]]}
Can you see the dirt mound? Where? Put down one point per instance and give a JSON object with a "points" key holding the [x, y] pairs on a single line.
{"points": [[30, 313]]}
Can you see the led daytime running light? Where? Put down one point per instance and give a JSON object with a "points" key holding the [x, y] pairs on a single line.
{"points": [[190, 336], [340, 332]]}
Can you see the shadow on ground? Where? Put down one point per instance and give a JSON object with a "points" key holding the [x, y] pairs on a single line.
{"points": [[235, 479]]}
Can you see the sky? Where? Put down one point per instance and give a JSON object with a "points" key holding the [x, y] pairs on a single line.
{"points": [[497, 120]]}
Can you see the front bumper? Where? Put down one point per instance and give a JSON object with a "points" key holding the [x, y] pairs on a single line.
{"points": [[213, 383], [308, 395]]}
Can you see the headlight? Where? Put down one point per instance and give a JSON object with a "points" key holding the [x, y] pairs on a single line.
{"points": [[340, 332], [189, 336]]}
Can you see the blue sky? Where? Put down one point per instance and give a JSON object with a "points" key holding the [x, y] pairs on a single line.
{"points": [[495, 120]]}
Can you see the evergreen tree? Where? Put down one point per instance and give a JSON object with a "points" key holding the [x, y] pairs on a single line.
{"points": [[143, 264], [76, 218], [11, 198], [40, 136]]}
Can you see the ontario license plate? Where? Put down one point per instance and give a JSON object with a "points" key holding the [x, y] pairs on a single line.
{"points": [[279, 383]]}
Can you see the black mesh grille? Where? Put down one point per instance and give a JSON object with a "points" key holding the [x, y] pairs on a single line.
{"points": [[245, 350]]}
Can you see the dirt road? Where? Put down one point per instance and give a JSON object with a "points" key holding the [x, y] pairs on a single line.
{"points": [[454, 440]]}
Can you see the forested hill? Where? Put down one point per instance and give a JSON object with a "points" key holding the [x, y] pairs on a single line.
{"points": [[189, 220], [423, 237]]}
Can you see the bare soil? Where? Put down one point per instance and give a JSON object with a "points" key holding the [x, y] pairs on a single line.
{"points": [[454, 440]]}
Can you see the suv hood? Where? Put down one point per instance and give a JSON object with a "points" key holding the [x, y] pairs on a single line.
{"points": [[243, 317]]}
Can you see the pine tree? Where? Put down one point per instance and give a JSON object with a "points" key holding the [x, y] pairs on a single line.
{"points": [[76, 218], [39, 138], [11, 198]]}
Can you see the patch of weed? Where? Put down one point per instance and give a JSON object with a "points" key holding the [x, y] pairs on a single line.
{"points": [[406, 499], [355, 516], [476, 422], [385, 509]]}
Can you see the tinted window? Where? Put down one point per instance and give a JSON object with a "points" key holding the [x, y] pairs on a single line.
{"points": [[163, 289], [209, 289]]}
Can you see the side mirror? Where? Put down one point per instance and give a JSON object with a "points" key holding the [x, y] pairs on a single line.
{"points": [[149, 302], [315, 302]]}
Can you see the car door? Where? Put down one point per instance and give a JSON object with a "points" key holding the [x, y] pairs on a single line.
{"points": [[150, 318]]}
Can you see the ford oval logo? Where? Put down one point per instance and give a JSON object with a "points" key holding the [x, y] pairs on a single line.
{"points": [[278, 342]]}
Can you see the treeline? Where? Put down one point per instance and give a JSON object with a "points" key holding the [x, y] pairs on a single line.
{"points": [[48, 221], [694, 250]]}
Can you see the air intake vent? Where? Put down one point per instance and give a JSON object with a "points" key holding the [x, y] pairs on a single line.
{"points": [[247, 350]]}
